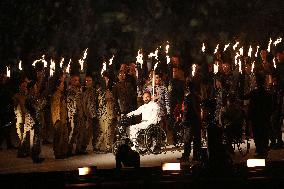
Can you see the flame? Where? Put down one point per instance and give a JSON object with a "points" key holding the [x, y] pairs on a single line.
{"points": [[81, 60], [216, 49], [8, 72], [268, 48], [235, 45], [20, 65], [41, 60], [193, 70], [111, 59], [274, 62], [241, 51], [61, 62], [167, 48], [68, 66], [155, 66], [139, 57], [250, 51], [236, 58], [216, 67], [104, 68], [167, 53], [154, 54], [203, 47], [277, 41], [226, 46], [240, 66], [51, 68], [256, 51], [252, 66]]}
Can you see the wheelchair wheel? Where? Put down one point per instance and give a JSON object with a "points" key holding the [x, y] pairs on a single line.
{"points": [[115, 146], [156, 139], [141, 141], [243, 147], [178, 134]]}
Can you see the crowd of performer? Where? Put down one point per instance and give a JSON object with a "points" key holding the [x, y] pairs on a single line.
{"points": [[72, 112]]}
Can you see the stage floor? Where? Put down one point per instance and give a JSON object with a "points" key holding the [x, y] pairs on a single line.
{"points": [[9, 163]]}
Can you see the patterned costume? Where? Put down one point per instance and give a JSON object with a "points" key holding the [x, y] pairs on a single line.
{"points": [[103, 135], [75, 118], [59, 122]]}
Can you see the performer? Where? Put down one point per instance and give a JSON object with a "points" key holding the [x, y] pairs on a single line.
{"points": [[59, 121], [75, 114], [20, 111], [150, 111], [34, 105]]}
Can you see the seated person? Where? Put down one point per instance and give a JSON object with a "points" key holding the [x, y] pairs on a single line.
{"points": [[150, 115]]}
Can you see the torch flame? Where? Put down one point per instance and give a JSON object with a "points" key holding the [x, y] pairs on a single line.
{"points": [[216, 49], [240, 66], [203, 47], [104, 67], [226, 46], [139, 58], [236, 58], [20, 65], [268, 48], [241, 51], [193, 70], [41, 60], [250, 51], [111, 59], [52, 67], [256, 51], [235, 46], [167, 52], [68, 66], [154, 54], [216, 67], [61, 62], [252, 66], [8, 72], [81, 60], [277, 41]]}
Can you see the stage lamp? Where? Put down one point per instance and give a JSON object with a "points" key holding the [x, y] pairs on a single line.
{"points": [[171, 167], [256, 163], [84, 171]]}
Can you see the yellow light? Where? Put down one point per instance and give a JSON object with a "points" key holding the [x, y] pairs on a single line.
{"points": [[171, 166], [256, 163], [84, 171]]}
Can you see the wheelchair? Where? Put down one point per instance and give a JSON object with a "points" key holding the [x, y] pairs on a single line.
{"points": [[237, 138], [151, 140]]}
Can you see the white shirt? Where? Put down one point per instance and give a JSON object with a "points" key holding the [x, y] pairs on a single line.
{"points": [[150, 113]]}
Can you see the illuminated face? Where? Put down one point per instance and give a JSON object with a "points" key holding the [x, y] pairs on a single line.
{"points": [[121, 76], [146, 98], [158, 80], [23, 87], [174, 60], [263, 54], [75, 81], [89, 82], [226, 67], [280, 56]]}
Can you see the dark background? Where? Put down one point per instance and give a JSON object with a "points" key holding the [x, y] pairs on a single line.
{"points": [[30, 28]]}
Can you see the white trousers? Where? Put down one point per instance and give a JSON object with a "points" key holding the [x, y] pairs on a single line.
{"points": [[134, 129]]}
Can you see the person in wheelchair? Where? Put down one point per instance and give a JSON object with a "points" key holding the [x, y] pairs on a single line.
{"points": [[232, 121], [150, 111]]}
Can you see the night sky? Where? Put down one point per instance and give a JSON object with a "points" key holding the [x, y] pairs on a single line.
{"points": [[65, 28]]}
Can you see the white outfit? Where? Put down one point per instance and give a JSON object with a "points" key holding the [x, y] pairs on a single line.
{"points": [[150, 115]]}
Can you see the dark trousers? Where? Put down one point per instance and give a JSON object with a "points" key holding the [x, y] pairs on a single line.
{"points": [[261, 136], [192, 133]]}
